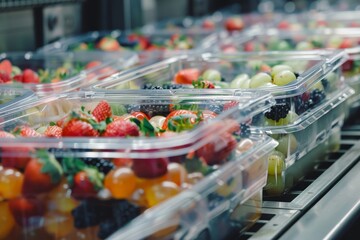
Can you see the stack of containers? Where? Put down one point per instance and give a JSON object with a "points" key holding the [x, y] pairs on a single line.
{"points": [[151, 46], [61, 72], [185, 180], [308, 110]]}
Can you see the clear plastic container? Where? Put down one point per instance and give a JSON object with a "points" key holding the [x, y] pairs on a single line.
{"points": [[319, 75], [213, 185], [12, 97], [305, 144], [64, 72], [151, 46], [278, 40]]}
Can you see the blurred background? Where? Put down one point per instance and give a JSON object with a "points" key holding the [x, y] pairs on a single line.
{"points": [[29, 24]]}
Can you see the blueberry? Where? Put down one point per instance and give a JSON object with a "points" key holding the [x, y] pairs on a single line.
{"points": [[101, 164]]}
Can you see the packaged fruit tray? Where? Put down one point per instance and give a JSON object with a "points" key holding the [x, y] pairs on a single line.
{"points": [[11, 97], [85, 164], [151, 46], [60, 72], [299, 81], [279, 40]]}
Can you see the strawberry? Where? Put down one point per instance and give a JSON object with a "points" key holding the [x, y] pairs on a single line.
{"points": [[108, 44], [121, 128], [79, 128], [53, 131], [92, 64], [85, 181], [208, 24], [15, 157], [4, 77], [26, 131], [6, 66], [346, 43], [175, 113], [27, 212], [218, 150], [42, 174], [18, 78], [29, 76], [284, 25], [102, 111], [348, 65], [187, 76], [234, 24]]}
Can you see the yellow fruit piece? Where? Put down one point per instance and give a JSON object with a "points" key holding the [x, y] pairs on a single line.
{"points": [[7, 221], [59, 199], [160, 192], [58, 224], [121, 182], [11, 182]]}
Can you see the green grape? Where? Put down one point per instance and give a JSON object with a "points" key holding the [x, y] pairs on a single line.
{"points": [[212, 75], [241, 81], [276, 163], [15, 70], [279, 68], [259, 80], [287, 144], [118, 109], [284, 77], [304, 46], [275, 185], [222, 84]]}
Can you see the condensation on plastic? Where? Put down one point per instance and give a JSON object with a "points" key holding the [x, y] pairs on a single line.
{"points": [[110, 64]]}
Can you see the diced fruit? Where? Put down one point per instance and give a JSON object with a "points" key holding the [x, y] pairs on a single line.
{"points": [[150, 167], [11, 182], [158, 193], [121, 128], [7, 222], [102, 111], [187, 76], [212, 75], [259, 80], [284, 77], [27, 211], [276, 163], [41, 174]]}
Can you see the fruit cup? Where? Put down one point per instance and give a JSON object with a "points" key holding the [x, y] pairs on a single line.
{"points": [[89, 163], [59, 72], [151, 46]]}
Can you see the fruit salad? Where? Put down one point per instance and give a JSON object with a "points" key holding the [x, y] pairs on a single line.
{"points": [[87, 164], [49, 73]]}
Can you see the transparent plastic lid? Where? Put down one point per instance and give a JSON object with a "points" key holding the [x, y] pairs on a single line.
{"points": [[63, 72], [10, 97], [55, 107], [312, 65]]}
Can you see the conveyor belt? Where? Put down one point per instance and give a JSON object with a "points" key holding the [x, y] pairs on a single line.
{"points": [[328, 198]]}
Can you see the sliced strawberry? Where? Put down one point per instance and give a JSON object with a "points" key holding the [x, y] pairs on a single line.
{"points": [[139, 115], [29, 76], [187, 76], [121, 128], [6, 66], [41, 174], [53, 131], [177, 113], [27, 212], [79, 128], [25, 131], [102, 111]]}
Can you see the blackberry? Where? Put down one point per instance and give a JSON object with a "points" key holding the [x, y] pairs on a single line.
{"points": [[317, 96], [244, 130], [123, 212], [153, 108], [106, 228], [101, 164], [216, 108], [172, 86], [278, 111]]}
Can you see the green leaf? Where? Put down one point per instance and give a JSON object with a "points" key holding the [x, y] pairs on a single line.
{"points": [[95, 177], [52, 124], [145, 126], [71, 166], [82, 108], [108, 120], [50, 165]]}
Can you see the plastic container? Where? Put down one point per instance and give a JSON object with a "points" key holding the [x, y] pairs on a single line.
{"points": [[238, 171], [319, 75], [305, 143], [12, 97], [276, 40], [64, 72], [151, 46]]}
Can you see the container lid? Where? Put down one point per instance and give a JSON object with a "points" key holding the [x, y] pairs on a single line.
{"points": [[10, 97], [250, 103]]}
